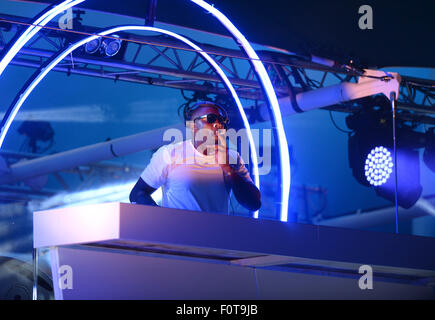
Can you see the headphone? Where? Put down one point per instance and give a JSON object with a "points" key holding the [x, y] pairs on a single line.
{"points": [[188, 110]]}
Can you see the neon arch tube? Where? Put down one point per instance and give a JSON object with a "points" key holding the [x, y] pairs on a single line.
{"points": [[13, 110], [32, 30], [273, 102], [258, 67]]}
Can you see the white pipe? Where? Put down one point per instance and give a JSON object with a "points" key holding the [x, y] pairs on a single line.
{"points": [[339, 93], [154, 139], [85, 155]]}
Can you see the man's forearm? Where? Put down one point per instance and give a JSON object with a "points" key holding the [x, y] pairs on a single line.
{"points": [[247, 194], [141, 193], [140, 197]]}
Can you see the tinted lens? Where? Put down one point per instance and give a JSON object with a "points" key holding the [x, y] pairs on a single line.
{"points": [[211, 118]]}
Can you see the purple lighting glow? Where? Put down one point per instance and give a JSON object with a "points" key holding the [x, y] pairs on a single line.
{"points": [[378, 166]]}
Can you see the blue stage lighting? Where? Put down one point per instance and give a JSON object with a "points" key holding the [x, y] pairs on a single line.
{"points": [[371, 155], [110, 46], [93, 46], [378, 166]]}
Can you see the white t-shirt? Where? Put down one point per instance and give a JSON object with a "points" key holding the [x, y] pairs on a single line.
{"points": [[189, 179]]}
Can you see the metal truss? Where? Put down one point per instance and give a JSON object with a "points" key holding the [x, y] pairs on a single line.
{"points": [[153, 60], [161, 61]]}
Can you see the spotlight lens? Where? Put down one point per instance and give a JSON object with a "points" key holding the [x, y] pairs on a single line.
{"points": [[111, 46], [380, 160], [93, 46]]}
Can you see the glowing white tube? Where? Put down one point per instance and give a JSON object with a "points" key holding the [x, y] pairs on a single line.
{"points": [[33, 29], [273, 101], [74, 46]]}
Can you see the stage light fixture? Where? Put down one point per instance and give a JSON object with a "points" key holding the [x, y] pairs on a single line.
{"points": [[371, 155], [37, 131], [93, 46], [378, 166], [110, 47], [375, 169], [106, 47]]}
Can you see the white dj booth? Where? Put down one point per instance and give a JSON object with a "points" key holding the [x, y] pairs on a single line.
{"points": [[127, 251]]}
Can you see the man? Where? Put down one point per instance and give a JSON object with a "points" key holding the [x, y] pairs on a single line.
{"points": [[198, 173]]}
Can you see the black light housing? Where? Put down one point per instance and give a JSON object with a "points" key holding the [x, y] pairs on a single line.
{"points": [[371, 128], [109, 47], [429, 151]]}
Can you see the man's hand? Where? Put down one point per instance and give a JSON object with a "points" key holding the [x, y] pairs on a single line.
{"points": [[245, 191], [221, 150]]}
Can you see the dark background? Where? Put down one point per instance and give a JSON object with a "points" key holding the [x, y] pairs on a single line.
{"points": [[402, 33]]}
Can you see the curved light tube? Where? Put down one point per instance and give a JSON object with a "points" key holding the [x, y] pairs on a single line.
{"points": [[273, 102], [33, 29], [12, 112], [258, 67]]}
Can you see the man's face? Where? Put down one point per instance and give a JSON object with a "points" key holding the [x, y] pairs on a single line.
{"points": [[202, 124]]}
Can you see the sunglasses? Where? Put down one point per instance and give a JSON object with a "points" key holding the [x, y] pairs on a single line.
{"points": [[212, 118]]}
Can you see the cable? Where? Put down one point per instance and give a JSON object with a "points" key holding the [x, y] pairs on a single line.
{"points": [[336, 126], [393, 107], [184, 96]]}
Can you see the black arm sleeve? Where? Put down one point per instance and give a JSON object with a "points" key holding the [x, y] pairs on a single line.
{"points": [[141, 193], [246, 193]]}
